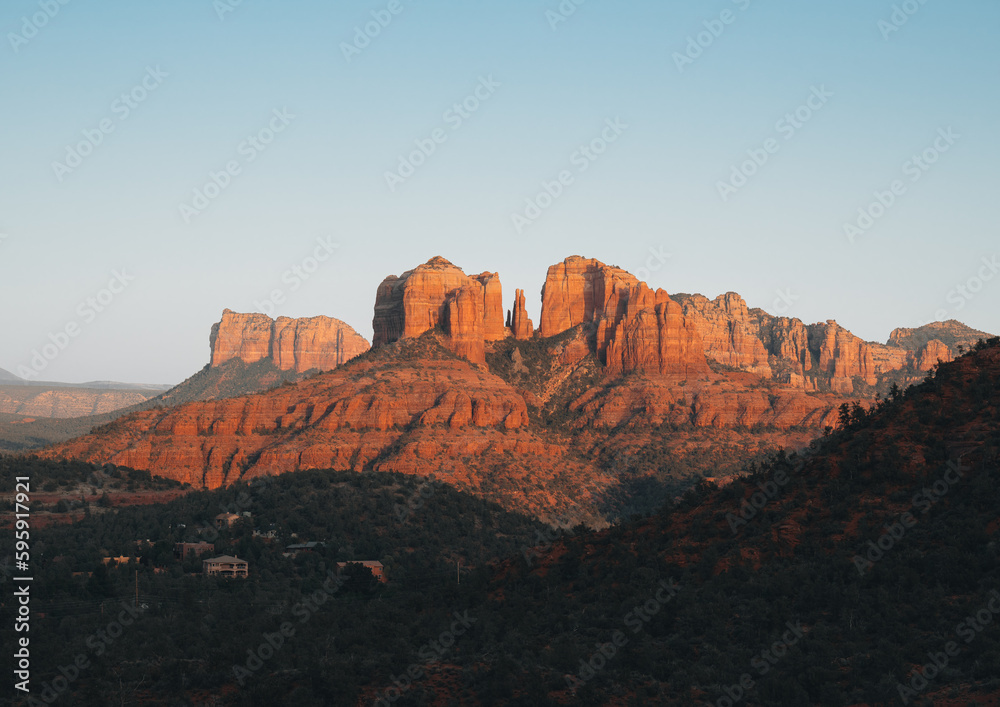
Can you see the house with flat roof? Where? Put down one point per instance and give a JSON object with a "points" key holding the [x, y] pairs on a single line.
{"points": [[225, 566]]}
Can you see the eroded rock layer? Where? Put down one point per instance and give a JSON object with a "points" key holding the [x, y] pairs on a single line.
{"points": [[468, 308], [291, 344]]}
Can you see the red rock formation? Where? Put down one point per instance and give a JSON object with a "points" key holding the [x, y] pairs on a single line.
{"points": [[314, 342], [464, 322], [653, 336], [580, 290], [439, 294], [408, 305], [637, 329], [889, 358], [930, 354], [243, 336], [787, 340], [520, 326], [493, 324], [719, 402], [729, 332], [842, 355], [952, 333], [291, 344]]}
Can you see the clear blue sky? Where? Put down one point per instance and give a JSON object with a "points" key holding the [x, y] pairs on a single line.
{"points": [[324, 175]]}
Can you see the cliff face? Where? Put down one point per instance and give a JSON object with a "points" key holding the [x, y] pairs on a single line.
{"points": [[291, 344], [637, 329], [930, 354], [842, 356], [821, 356], [653, 336], [730, 333], [468, 308], [580, 290]]}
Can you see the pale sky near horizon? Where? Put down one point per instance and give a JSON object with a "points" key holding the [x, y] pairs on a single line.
{"points": [[115, 113]]}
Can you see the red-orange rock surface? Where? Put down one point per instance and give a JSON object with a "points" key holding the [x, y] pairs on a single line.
{"points": [[579, 290], [411, 405], [493, 324], [728, 330], [930, 354], [716, 401], [842, 355], [520, 326], [340, 420], [653, 336], [439, 294], [637, 329], [291, 344], [243, 336], [787, 340], [463, 321]]}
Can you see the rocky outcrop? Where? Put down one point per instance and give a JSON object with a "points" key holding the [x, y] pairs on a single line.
{"points": [[930, 354], [469, 309], [951, 333], [580, 290], [724, 402], [731, 335], [842, 356], [291, 344], [826, 353], [637, 329], [493, 324], [787, 340], [653, 336], [243, 336], [517, 321], [464, 322]]}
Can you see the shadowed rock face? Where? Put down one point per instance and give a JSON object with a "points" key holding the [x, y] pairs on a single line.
{"points": [[468, 308], [291, 344]]}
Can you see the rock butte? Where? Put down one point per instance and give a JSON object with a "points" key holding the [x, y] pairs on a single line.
{"points": [[291, 344], [437, 294]]}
